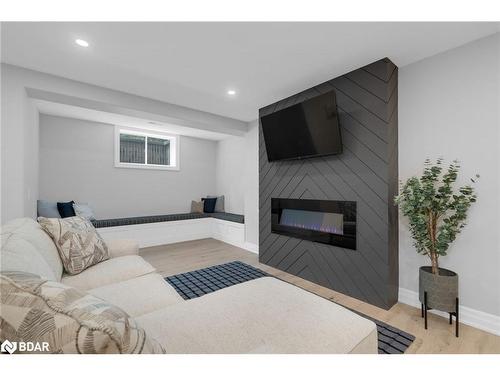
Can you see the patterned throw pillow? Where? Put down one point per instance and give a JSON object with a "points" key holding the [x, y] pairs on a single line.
{"points": [[78, 243], [69, 321]]}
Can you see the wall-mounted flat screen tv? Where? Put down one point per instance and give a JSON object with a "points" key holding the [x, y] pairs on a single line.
{"points": [[304, 130]]}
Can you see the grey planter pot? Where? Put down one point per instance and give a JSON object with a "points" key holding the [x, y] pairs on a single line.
{"points": [[442, 289]]}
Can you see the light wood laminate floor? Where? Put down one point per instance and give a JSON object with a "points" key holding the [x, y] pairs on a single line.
{"points": [[439, 338]]}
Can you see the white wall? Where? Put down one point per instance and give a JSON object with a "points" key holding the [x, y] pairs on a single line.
{"points": [[449, 106], [230, 172], [237, 178], [20, 142], [77, 163], [252, 184], [19, 127], [19, 150]]}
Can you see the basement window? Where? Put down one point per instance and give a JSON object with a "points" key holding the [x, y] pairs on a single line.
{"points": [[146, 149]]}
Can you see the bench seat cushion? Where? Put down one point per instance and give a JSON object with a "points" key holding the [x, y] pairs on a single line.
{"points": [[105, 223], [235, 218], [149, 292], [110, 271], [265, 315]]}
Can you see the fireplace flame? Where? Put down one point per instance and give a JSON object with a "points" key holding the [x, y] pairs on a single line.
{"points": [[327, 222]]}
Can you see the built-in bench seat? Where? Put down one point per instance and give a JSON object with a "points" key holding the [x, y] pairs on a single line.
{"points": [[105, 223], [165, 229]]}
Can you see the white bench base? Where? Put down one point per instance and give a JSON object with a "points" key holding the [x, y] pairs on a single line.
{"points": [[167, 232]]}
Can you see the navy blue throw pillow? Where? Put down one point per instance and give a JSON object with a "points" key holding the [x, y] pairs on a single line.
{"points": [[66, 209], [209, 204]]}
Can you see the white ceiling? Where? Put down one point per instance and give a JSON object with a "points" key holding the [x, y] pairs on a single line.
{"points": [[106, 117], [194, 64]]}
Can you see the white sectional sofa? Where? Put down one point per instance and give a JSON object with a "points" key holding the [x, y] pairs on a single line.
{"points": [[260, 316]]}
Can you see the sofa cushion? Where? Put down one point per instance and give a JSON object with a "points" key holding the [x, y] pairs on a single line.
{"points": [[70, 321], [121, 247], [26, 247], [79, 244], [108, 272], [265, 315], [139, 295], [18, 254]]}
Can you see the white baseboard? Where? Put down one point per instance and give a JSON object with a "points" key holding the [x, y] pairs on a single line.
{"points": [[248, 246], [253, 248], [474, 318]]}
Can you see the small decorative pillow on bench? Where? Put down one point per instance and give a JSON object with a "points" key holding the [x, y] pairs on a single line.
{"points": [[62, 319], [78, 243], [209, 205], [196, 207], [83, 210], [219, 204]]}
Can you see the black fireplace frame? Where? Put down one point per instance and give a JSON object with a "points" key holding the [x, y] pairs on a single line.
{"points": [[347, 208]]}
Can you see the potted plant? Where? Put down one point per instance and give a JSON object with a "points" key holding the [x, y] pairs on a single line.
{"points": [[436, 213]]}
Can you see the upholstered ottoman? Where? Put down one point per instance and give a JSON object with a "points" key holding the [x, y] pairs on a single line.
{"points": [[265, 315]]}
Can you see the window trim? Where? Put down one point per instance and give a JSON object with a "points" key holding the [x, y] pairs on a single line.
{"points": [[147, 133]]}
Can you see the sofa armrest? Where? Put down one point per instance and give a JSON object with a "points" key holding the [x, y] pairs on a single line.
{"points": [[119, 248]]}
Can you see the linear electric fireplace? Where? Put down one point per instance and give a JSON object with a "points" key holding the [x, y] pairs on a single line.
{"points": [[330, 222]]}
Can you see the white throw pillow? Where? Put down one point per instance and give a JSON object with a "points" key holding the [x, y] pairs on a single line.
{"points": [[83, 210]]}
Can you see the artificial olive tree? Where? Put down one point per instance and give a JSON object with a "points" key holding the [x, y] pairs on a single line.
{"points": [[435, 210]]}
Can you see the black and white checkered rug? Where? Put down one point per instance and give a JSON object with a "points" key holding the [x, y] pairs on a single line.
{"points": [[207, 280], [197, 283]]}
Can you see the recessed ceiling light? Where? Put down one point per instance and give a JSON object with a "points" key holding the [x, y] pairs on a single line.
{"points": [[231, 92], [82, 43]]}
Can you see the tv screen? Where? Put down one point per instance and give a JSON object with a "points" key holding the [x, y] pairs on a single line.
{"points": [[304, 130]]}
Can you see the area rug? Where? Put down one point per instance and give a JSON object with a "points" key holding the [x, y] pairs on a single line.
{"points": [[207, 280]]}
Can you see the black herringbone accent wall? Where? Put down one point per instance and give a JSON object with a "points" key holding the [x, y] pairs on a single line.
{"points": [[366, 172]]}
